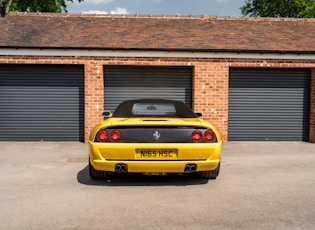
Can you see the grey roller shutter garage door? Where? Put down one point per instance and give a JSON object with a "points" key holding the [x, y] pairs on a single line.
{"points": [[134, 82], [269, 104], [41, 102]]}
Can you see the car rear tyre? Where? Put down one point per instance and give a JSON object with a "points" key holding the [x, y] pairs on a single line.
{"points": [[97, 175], [212, 174]]}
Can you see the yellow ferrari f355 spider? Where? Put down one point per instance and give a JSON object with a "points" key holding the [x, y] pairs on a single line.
{"points": [[154, 136]]}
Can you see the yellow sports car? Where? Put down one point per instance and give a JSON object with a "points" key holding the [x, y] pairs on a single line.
{"points": [[154, 136]]}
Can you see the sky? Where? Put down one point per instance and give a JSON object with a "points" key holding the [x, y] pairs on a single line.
{"points": [[167, 7]]}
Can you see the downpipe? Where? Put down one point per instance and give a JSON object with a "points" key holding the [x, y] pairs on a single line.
{"points": [[121, 168], [190, 168]]}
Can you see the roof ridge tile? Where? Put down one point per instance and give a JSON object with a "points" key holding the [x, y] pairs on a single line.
{"points": [[159, 16]]}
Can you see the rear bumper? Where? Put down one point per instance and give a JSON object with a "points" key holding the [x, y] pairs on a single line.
{"points": [[204, 156], [155, 166]]}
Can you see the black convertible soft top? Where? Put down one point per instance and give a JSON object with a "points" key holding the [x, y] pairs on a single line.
{"points": [[154, 108]]}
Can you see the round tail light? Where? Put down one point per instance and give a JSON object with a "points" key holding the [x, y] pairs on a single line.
{"points": [[102, 135], [209, 135], [115, 135], [196, 135]]}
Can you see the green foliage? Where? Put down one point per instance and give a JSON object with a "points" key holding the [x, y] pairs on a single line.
{"points": [[279, 8], [57, 6]]}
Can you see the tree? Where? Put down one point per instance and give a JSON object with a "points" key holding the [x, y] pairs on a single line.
{"points": [[279, 8], [57, 6]]}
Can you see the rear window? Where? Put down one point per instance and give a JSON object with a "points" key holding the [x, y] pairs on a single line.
{"points": [[153, 109]]}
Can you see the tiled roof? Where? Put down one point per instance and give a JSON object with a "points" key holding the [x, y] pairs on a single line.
{"points": [[157, 32]]}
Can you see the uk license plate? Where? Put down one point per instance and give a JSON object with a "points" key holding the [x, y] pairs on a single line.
{"points": [[156, 154]]}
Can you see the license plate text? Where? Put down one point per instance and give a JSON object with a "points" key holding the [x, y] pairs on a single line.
{"points": [[160, 153]]}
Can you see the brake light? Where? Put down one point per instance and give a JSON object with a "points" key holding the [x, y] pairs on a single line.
{"points": [[102, 135], [196, 135], [209, 135], [115, 135]]}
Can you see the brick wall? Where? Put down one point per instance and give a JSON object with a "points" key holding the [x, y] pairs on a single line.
{"points": [[93, 95], [210, 93], [312, 108], [210, 82]]}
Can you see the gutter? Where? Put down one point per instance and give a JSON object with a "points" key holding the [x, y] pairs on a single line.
{"points": [[162, 49], [154, 52]]}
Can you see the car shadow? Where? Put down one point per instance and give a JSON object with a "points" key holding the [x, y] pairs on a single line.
{"points": [[83, 177]]}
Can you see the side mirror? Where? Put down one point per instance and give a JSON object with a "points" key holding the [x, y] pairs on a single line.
{"points": [[107, 114], [199, 114]]}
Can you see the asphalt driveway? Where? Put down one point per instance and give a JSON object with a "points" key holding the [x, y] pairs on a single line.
{"points": [[262, 185]]}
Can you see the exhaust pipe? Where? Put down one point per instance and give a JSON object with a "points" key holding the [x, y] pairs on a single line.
{"points": [[190, 168], [121, 168], [193, 168]]}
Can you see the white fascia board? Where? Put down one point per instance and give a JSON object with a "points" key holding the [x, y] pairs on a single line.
{"points": [[157, 54]]}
